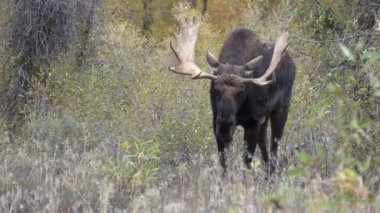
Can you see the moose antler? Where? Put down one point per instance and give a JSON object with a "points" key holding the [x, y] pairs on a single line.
{"points": [[185, 52], [279, 49]]}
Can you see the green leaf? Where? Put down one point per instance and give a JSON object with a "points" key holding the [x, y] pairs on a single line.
{"points": [[377, 93], [370, 54], [360, 46], [303, 157], [364, 166], [321, 150], [347, 52], [296, 172], [376, 206]]}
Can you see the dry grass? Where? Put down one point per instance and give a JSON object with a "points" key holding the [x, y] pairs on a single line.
{"points": [[125, 136], [58, 168]]}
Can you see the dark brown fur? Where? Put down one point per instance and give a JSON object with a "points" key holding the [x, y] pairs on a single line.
{"points": [[251, 106]]}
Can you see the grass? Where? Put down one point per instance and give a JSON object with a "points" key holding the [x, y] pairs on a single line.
{"points": [[67, 164], [124, 135]]}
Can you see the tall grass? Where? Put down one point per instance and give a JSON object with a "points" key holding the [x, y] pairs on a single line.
{"points": [[125, 135]]}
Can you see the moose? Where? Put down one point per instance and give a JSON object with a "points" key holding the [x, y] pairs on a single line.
{"points": [[250, 86]]}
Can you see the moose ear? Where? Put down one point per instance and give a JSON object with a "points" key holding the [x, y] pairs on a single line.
{"points": [[250, 65], [212, 60]]}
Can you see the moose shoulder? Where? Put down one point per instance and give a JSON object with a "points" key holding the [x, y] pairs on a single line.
{"points": [[251, 84]]}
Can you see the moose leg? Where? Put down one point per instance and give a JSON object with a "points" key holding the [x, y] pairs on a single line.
{"points": [[222, 146], [251, 135], [263, 141], [278, 120]]}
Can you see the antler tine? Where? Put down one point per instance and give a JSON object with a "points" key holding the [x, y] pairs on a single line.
{"points": [[278, 52], [175, 52], [185, 53]]}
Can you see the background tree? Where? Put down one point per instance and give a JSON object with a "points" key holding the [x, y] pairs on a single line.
{"points": [[147, 17], [88, 26], [40, 32], [194, 4]]}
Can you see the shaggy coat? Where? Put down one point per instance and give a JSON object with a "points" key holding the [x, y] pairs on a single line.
{"points": [[249, 105]]}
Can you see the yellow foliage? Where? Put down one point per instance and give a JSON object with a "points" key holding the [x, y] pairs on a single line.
{"points": [[315, 206], [349, 181], [255, 164], [224, 14], [125, 145]]}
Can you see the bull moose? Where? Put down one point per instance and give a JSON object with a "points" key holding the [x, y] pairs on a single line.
{"points": [[251, 84]]}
